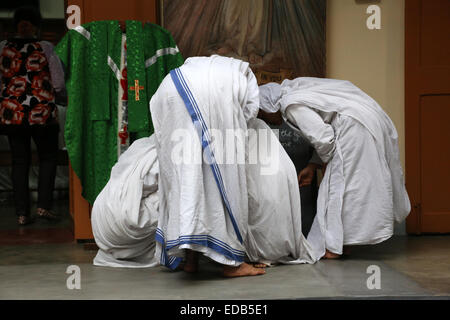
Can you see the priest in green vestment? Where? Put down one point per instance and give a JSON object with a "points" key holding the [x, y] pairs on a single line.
{"points": [[98, 57]]}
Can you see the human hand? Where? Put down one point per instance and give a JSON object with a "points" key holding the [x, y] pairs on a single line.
{"points": [[306, 176]]}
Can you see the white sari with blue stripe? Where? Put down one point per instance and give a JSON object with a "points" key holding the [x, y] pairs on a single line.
{"points": [[203, 203]]}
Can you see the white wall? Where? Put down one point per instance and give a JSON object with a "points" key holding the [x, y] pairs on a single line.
{"points": [[372, 59]]}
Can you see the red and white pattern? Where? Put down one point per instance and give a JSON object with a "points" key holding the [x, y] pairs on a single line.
{"points": [[39, 114], [36, 62], [26, 92], [17, 86], [11, 112], [10, 62]]}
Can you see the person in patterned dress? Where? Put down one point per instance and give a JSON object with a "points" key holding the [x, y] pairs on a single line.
{"points": [[31, 84]]}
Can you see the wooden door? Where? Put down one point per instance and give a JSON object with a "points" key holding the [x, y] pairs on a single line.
{"points": [[141, 10], [427, 114]]}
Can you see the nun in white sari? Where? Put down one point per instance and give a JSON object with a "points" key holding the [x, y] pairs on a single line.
{"points": [[210, 205], [362, 192], [203, 200]]}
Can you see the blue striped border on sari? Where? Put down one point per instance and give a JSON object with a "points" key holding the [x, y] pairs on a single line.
{"points": [[203, 132]]}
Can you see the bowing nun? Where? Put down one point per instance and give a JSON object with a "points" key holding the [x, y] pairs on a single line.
{"points": [[362, 192]]}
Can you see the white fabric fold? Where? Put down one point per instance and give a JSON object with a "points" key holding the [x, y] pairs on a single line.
{"points": [[319, 133], [275, 222], [125, 213], [269, 96]]}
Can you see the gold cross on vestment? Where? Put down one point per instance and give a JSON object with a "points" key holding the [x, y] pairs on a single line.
{"points": [[136, 88]]}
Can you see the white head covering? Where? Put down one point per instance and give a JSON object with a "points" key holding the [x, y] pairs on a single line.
{"points": [[269, 96]]}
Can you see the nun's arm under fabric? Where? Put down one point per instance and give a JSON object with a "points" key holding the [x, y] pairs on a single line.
{"points": [[314, 129]]}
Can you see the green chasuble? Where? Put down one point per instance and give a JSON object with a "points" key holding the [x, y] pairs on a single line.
{"points": [[91, 55]]}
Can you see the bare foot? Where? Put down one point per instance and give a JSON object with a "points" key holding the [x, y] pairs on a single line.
{"points": [[191, 264], [243, 270], [331, 255], [259, 265]]}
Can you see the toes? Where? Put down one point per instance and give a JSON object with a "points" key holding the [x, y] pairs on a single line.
{"points": [[260, 271], [331, 255], [243, 270]]}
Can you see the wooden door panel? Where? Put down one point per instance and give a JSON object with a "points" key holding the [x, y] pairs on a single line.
{"points": [[434, 25], [435, 162], [80, 209], [142, 10], [433, 80], [427, 110]]}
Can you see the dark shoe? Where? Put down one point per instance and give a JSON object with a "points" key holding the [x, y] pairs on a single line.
{"points": [[24, 220], [46, 214]]}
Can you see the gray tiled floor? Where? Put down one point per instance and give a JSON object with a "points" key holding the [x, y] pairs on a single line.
{"points": [[411, 267]]}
